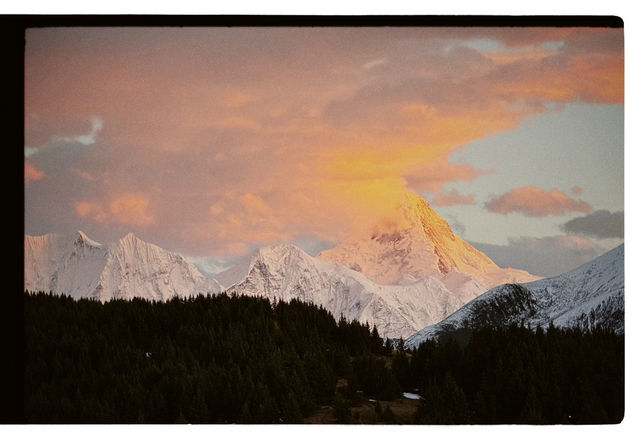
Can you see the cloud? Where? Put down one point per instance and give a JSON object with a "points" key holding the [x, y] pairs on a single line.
{"points": [[599, 224], [31, 173], [374, 63], [440, 171], [254, 204], [240, 220], [457, 82], [84, 139], [91, 210], [453, 197], [124, 210], [546, 256], [534, 201], [253, 135], [57, 141], [30, 151]]}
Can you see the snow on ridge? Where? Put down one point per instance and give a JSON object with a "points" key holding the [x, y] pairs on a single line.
{"points": [[285, 272], [84, 238], [589, 295], [83, 268]]}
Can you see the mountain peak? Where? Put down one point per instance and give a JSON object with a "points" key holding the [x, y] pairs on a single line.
{"points": [[130, 236], [127, 268], [130, 240], [278, 255], [286, 272], [82, 238], [418, 242], [420, 212], [280, 250]]}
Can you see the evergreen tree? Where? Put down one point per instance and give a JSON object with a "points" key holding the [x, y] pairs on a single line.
{"points": [[238, 359]]}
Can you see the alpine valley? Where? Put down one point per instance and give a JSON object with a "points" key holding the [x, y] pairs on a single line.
{"points": [[401, 276]]}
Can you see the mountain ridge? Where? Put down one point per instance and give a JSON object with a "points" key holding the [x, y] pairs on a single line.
{"points": [[284, 272], [401, 277], [588, 296], [78, 266], [420, 243]]}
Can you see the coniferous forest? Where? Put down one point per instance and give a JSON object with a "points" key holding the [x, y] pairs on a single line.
{"points": [[238, 359]]}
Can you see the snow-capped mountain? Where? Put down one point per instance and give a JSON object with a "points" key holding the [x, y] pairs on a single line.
{"points": [[406, 275], [419, 243], [82, 268], [285, 272], [63, 264], [588, 296]]}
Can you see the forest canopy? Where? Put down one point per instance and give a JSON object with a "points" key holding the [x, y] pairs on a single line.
{"points": [[239, 359]]}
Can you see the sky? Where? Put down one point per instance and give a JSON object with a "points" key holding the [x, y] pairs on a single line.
{"points": [[214, 141]]}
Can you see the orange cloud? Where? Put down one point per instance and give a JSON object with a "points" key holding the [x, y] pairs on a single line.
{"points": [[254, 204], [434, 175], [128, 210], [237, 220], [592, 77], [131, 209], [31, 173], [534, 201], [91, 210], [278, 134]]}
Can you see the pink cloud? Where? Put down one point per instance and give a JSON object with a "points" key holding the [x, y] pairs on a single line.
{"points": [[125, 210], [242, 136], [534, 201], [91, 210], [31, 173], [440, 171], [576, 190], [453, 197]]}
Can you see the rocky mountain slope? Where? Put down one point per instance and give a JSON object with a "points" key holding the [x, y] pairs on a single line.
{"points": [[589, 296]]}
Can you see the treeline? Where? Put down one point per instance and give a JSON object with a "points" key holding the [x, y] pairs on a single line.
{"points": [[517, 375], [200, 360], [238, 359]]}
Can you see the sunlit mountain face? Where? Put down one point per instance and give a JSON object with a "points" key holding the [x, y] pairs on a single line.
{"points": [[415, 242], [406, 273]]}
